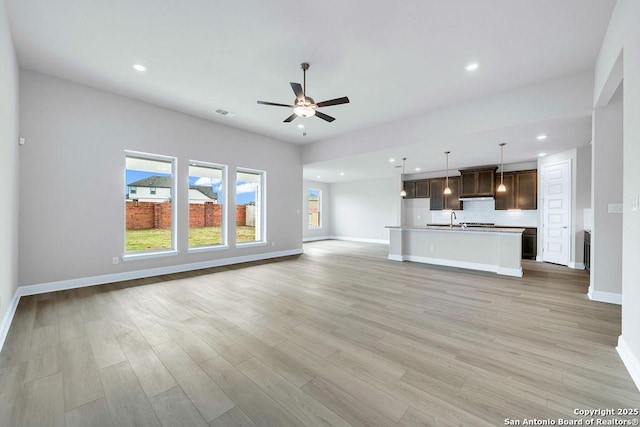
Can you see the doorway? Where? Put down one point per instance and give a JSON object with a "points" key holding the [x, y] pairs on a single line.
{"points": [[556, 213]]}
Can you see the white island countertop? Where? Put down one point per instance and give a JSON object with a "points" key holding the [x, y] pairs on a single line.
{"points": [[458, 228], [496, 249]]}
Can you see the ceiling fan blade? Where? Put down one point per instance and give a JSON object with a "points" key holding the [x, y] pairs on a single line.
{"points": [[275, 104], [337, 101], [297, 89], [290, 118], [325, 117]]}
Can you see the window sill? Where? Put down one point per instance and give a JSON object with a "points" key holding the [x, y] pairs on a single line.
{"points": [[211, 248], [250, 244], [149, 255]]}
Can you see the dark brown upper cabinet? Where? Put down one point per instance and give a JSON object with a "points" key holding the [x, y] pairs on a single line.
{"points": [[422, 188], [522, 191], [478, 182], [417, 189], [439, 200], [410, 188]]}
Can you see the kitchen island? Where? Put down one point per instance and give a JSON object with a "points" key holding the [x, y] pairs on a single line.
{"points": [[492, 249]]}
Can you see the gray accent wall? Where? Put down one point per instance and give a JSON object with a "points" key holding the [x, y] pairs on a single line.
{"points": [[72, 178], [8, 166]]}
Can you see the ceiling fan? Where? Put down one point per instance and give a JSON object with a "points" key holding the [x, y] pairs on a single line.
{"points": [[305, 106]]}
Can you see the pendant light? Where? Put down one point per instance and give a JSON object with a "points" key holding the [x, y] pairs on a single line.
{"points": [[403, 193], [447, 190], [501, 187]]}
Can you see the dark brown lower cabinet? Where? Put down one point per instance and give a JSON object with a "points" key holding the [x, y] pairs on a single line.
{"points": [[587, 250], [530, 243]]}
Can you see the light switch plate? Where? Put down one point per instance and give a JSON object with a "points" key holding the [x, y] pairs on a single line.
{"points": [[614, 208]]}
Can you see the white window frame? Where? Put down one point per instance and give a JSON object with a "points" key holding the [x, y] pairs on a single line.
{"points": [[320, 213], [155, 253], [261, 208], [225, 208]]}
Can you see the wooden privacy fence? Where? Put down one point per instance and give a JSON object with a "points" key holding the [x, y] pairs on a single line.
{"points": [[145, 215]]}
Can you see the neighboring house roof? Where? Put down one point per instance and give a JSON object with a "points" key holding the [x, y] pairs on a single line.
{"points": [[165, 182], [207, 191], [153, 181]]}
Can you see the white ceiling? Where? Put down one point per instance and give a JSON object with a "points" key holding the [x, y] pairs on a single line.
{"points": [[393, 59]]}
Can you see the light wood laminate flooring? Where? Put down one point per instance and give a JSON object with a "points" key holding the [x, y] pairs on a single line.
{"points": [[337, 336]]}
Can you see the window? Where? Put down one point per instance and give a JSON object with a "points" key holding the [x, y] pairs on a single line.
{"points": [[250, 206], [207, 193], [152, 190], [149, 220], [314, 208]]}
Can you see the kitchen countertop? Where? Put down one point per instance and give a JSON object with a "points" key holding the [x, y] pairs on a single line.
{"points": [[457, 228]]}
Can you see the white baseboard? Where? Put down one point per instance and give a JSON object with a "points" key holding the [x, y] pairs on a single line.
{"points": [[359, 239], [515, 272], [610, 297], [630, 360], [81, 282], [313, 239], [576, 265], [5, 324]]}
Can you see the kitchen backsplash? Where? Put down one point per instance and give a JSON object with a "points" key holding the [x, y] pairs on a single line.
{"points": [[417, 213]]}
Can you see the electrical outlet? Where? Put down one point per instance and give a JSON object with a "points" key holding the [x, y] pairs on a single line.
{"points": [[635, 202], [432, 249], [115, 260]]}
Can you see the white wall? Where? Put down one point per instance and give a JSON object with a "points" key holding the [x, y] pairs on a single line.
{"points": [[580, 196], [76, 138], [606, 237], [323, 232], [567, 96], [623, 36], [8, 169], [361, 209]]}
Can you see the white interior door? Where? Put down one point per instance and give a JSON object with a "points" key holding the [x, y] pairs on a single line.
{"points": [[556, 213]]}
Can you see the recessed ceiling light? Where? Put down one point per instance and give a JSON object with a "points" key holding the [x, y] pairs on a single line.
{"points": [[300, 126], [417, 169], [317, 176], [341, 173], [140, 68], [391, 160], [541, 137], [542, 154], [472, 67]]}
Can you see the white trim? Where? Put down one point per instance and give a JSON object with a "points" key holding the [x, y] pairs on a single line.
{"points": [[359, 239], [250, 244], [5, 324], [515, 272], [137, 274], [630, 360], [610, 297], [133, 256], [208, 248], [312, 239], [576, 265]]}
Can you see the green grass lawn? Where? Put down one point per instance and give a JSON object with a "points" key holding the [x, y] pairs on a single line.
{"points": [[160, 238]]}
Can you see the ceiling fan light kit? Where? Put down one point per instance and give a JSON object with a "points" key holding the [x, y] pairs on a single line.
{"points": [[305, 106]]}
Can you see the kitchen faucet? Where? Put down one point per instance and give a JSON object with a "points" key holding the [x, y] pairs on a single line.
{"points": [[453, 216]]}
